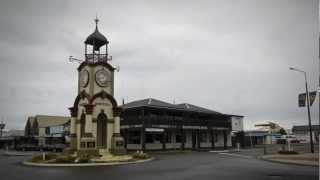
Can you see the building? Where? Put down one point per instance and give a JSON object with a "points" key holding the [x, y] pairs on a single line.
{"points": [[95, 115], [151, 124], [260, 137], [39, 127], [303, 135], [8, 138]]}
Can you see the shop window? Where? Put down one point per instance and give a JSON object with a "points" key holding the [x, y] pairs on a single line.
{"points": [[153, 138], [203, 137], [134, 137], [47, 130], [178, 138], [149, 138], [168, 137]]}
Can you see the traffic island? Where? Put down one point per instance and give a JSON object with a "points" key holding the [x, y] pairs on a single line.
{"points": [[69, 160], [307, 159]]}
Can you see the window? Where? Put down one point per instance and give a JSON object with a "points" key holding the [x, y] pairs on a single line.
{"points": [[47, 130], [178, 138], [215, 136], [134, 137], [203, 137], [149, 138], [168, 137], [153, 138], [83, 144]]}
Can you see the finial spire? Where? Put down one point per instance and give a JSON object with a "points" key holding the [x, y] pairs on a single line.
{"points": [[96, 20]]}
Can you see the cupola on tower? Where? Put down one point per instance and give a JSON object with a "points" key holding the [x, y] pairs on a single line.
{"points": [[95, 115]]}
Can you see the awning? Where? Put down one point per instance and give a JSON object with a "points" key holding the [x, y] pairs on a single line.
{"points": [[154, 130]]}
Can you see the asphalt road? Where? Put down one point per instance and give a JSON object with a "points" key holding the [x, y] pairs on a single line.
{"points": [[193, 165]]}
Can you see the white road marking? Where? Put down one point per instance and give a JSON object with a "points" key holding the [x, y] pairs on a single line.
{"points": [[237, 155]]}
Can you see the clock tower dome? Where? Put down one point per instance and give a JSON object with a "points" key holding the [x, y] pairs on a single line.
{"points": [[95, 115]]}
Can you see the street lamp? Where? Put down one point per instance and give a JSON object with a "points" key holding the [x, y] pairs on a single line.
{"points": [[308, 105], [2, 125]]}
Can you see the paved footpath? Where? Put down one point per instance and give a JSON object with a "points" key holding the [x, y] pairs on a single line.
{"points": [[308, 159]]}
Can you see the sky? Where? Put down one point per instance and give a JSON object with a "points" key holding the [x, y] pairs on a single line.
{"points": [[226, 55]]}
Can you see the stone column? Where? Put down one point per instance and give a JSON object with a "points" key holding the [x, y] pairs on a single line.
{"points": [[73, 128], [183, 139], [198, 139], [212, 139], [225, 139], [143, 133], [164, 139], [88, 125], [116, 126], [117, 140]]}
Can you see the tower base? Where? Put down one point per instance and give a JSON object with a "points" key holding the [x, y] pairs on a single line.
{"points": [[117, 145]]}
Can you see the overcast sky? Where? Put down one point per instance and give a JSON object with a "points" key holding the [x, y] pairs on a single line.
{"points": [[230, 56]]}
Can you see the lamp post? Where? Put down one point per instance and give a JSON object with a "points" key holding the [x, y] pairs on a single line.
{"points": [[2, 125], [308, 105]]}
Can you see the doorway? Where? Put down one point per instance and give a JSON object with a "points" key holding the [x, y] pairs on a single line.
{"points": [[102, 130]]}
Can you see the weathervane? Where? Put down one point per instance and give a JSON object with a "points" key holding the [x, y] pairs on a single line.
{"points": [[93, 51]]}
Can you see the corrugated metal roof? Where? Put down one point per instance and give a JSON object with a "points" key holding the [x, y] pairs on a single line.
{"points": [[46, 121], [150, 102], [305, 128], [194, 108]]}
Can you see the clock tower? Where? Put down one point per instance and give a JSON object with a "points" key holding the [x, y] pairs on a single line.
{"points": [[95, 115]]}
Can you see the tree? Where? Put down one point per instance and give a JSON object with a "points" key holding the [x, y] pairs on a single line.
{"points": [[282, 131]]}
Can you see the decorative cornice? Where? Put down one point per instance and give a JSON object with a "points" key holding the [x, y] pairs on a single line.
{"points": [[88, 135], [104, 95], [101, 63], [116, 135], [117, 111], [89, 108], [82, 95], [73, 111], [73, 135]]}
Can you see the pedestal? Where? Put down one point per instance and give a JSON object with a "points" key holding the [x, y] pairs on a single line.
{"points": [[117, 145], [73, 141]]}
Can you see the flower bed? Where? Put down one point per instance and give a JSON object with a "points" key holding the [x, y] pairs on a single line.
{"points": [[65, 158]]}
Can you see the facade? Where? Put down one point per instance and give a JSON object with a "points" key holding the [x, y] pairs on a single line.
{"points": [[39, 127], [151, 124], [95, 115], [260, 137], [302, 133]]}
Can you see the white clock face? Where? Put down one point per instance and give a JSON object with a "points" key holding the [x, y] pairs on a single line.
{"points": [[102, 78], [84, 78]]}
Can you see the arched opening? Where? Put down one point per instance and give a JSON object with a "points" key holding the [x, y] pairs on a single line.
{"points": [[102, 130], [82, 124]]}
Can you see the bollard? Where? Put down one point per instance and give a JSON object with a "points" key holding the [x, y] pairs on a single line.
{"points": [[238, 147], [43, 156]]}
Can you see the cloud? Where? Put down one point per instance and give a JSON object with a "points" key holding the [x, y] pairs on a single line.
{"points": [[229, 56]]}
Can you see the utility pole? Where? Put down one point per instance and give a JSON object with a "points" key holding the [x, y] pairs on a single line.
{"points": [[308, 106], [319, 81]]}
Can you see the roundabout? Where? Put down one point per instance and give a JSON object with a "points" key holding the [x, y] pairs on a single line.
{"points": [[106, 159]]}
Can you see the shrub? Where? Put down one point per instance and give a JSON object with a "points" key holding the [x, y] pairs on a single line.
{"points": [[51, 156], [84, 158], [287, 152], [39, 158], [65, 159], [140, 155]]}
